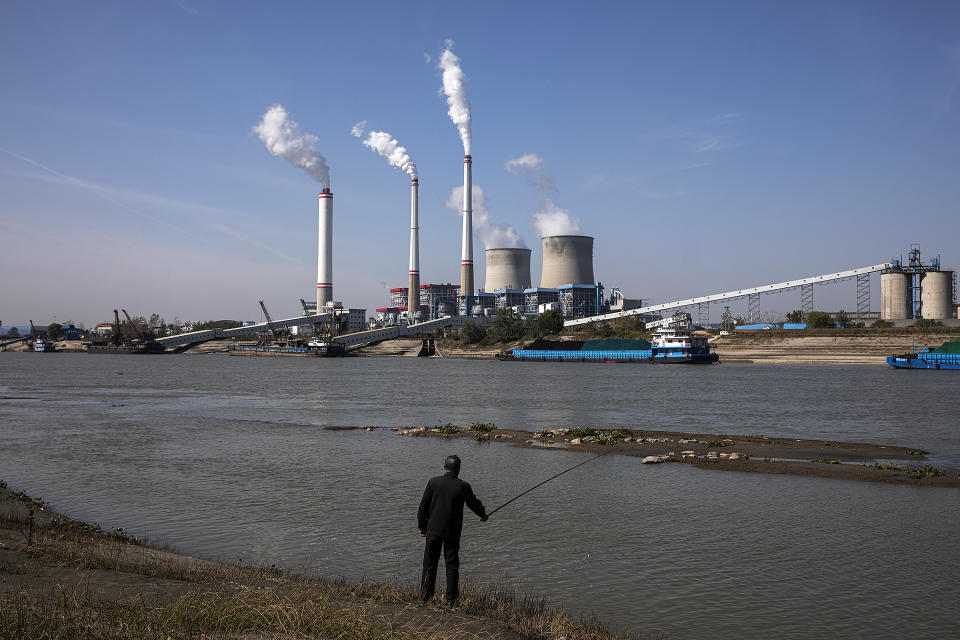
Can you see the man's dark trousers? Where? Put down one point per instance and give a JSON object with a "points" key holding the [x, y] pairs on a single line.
{"points": [[431, 558]]}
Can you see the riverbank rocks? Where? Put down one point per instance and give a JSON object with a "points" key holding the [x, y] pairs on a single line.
{"points": [[655, 459], [687, 441], [576, 441]]}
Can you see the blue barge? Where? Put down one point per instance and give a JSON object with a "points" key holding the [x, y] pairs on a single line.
{"points": [[946, 356], [669, 346]]}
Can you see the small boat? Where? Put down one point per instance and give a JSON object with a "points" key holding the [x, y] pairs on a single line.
{"points": [[946, 356]]}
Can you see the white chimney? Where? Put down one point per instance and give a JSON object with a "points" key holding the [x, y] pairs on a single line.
{"points": [[466, 254], [325, 251], [413, 290]]}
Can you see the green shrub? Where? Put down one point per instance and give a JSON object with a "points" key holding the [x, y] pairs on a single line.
{"points": [[582, 432], [448, 428], [482, 427]]}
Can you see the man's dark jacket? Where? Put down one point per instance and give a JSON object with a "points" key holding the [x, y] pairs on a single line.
{"points": [[441, 508]]}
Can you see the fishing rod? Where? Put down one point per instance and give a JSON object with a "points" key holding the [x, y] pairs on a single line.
{"points": [[490, 513]]}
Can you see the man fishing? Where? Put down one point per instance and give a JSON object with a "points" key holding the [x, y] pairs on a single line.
{"points": [[440, 520]]}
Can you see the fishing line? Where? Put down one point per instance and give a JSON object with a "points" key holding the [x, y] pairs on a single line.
{"points": [[490, 513]]}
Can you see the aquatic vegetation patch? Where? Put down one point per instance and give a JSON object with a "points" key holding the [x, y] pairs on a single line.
{"points": [[582, 432], [448, 428], [23, 498], [482, 427], [826, 461], [926, 471], [918, 452], [606, 439], [721, 443]]}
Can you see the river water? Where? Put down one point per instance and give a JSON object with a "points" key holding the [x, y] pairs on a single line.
{"points": [[223, 457]]}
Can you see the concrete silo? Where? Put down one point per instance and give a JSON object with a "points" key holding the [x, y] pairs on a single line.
{"points": [[567, 260], [936, 295], [507, 269], [896, 295]]}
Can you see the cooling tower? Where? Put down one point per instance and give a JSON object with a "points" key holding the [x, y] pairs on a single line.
{"points": [[936, 295], [325, 251], [896, 295], [466, 252], [567, 260], [507, 269], [413, 290]]}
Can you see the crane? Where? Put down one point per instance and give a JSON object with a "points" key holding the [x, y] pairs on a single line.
{"points": [[117, 338], [136, 329], [273, 329]]}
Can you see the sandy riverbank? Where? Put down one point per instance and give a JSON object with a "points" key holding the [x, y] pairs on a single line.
{"points": [[725, 452], [69, 579]]}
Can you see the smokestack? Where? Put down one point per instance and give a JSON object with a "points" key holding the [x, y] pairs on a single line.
{"points": [[325, 251], [413, 291], [466, 254]]}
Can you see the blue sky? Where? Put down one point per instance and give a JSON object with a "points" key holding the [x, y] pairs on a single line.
{"points": [[707, 146]]}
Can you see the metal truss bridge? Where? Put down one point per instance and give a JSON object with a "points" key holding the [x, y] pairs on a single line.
{"points": [[753, 297]]}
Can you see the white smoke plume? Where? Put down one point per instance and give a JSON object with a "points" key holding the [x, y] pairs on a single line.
{"points": [[530, 167], [456, 92], [555, 221], [284, 139], [384, 144], [493, 235]]}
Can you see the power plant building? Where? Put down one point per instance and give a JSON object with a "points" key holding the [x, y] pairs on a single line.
{"points": [[509, 298], [533, 298], [581, 300]]}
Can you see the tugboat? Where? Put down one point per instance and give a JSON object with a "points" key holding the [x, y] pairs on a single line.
{"points": [[43, 345], [946, 356], [673, 345]]}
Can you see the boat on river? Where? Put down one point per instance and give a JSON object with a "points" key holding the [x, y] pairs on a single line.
{"points": [[315, 348], [670, 345], [946, 356]]}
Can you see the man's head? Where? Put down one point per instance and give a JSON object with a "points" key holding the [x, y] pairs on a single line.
{"points": [[452, 464]]}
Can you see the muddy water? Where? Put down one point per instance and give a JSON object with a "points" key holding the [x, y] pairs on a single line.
{"points": [[225, 458]]}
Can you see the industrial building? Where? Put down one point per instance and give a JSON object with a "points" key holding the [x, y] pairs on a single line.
{"points": [[581, 300], [509, 298], [535, 298], [916, 289]]}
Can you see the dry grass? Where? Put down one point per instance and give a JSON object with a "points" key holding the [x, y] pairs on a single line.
{"points": [[231, 601]]}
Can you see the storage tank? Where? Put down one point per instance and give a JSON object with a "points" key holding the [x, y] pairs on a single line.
{"points": [[507, 269], [896, 295], [567, 260], [936, 295]]}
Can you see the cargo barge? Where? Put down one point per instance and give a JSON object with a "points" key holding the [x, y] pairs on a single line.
{"points": [[669, 346], [315, 349], [946, 356]]}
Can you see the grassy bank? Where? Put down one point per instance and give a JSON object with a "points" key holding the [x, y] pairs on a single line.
{"points": [[68, 579]]}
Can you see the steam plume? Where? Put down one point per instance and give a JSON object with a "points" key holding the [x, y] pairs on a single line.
{"points": [[555, 221], [493, 235], [284, 139], [456, 92], [530, 167], [384, 144]]}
